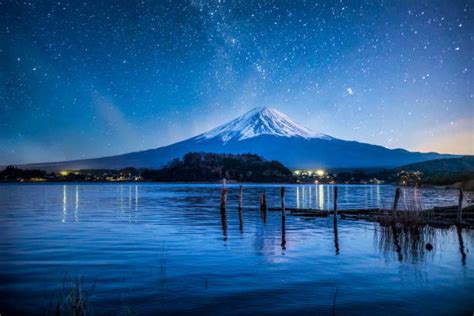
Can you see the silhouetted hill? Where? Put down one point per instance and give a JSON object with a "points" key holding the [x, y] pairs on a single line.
{"points": [[449, 165], [459, 171], [198, 166]]}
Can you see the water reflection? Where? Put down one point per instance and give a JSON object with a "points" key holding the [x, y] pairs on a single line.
{"points": [[129, 196], [461, 245], [411, 244], [310, 198], [336, 237], [320, 196], [377, 196], [186, 218], [283, 231], [241, 220], [64, 203], [136, 197], [297, 197], [133, 203], [76, 209], [224, 223]]}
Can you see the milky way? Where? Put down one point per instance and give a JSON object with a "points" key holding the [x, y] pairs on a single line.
{"points": [[92, 78]]}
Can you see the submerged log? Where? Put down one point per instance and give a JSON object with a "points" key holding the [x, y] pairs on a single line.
{"points": [[311, 214]]}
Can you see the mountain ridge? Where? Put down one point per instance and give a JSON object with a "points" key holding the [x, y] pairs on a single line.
{"points": [[265, 132]]}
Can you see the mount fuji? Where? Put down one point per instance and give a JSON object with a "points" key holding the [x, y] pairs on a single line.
{"points": [[266, 132]]}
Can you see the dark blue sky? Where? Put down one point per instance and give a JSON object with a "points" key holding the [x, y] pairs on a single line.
{"points": [[92, 78]]}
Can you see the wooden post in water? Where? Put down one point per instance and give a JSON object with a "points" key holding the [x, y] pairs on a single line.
{"points": [[335, 203], [223, 207], [223, 196], [283, 219], [241, 193], [397, 197], [459, 214]]}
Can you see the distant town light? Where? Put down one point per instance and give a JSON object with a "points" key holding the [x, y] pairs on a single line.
{"points": [[320, 172], [64, 173]]}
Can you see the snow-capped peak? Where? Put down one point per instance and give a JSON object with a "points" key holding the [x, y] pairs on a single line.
{"points": [[260, 121]]}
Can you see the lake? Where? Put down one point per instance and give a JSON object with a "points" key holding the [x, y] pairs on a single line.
{"points": [[165, 248]]}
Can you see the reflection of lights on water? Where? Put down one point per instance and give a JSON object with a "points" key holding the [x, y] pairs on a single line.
{"points": [[416, 198], [404, 198], [76, 215], [346, 195], [121, 197], [310, 198], [328, 199], [302, 197], [297, 197], [377, 194], [64, 203], [367, 192], [129, 196], [316, 196], [321, 196], [136, 197]]}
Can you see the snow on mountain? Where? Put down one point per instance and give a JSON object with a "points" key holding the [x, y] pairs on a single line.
{"points": [[260, 121]]}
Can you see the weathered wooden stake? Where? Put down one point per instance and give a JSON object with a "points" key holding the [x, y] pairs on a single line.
{"points": [[223, 207], [397, 197], [241, 193], [459, 214], [335, 203], [223, 196], [283, 219]]}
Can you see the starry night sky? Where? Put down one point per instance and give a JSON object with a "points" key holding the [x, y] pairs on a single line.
{"points": [[93, 78]]}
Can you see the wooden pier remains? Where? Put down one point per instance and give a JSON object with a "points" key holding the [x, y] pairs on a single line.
{"points": [[435, 217]]}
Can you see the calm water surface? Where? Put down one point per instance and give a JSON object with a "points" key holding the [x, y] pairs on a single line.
{"points": [[165, 248]]}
